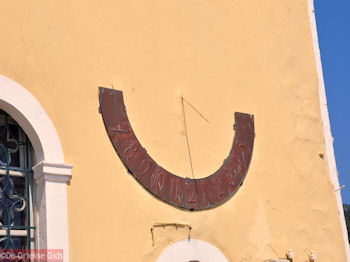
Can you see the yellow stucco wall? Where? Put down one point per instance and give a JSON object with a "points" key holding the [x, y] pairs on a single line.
{"points": [[222, 56]]}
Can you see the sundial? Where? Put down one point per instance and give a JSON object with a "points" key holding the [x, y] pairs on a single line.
{"points": [[188, 193]]}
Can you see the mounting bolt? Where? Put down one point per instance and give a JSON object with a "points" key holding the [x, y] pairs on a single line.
{"points": [[290, 255], [313, 256]]}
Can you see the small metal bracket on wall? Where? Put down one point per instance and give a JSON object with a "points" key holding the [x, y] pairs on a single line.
{"points": [[176, 225]]}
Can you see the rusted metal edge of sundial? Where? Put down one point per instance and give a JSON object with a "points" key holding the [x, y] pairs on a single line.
{"points": [[193, 194]]}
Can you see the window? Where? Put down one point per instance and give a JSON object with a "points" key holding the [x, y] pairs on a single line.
{"points": [[192, 250], [17, 226], [51, 173]]}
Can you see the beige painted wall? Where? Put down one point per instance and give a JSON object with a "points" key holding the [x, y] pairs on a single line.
{"points": [[223, 56]]}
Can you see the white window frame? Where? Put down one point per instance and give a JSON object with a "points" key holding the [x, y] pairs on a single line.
{"points": [[51, 174]]}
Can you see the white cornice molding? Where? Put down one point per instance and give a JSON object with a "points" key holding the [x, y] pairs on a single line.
{"points": [[52, 172]]}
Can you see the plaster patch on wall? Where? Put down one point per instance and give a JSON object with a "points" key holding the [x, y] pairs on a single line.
{"points": [[260, 231]]}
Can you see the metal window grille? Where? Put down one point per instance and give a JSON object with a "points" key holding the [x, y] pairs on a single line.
{"points": [[17, 228]]}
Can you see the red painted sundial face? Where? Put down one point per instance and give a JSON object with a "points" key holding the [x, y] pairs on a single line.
{"points": [[194, 194]]}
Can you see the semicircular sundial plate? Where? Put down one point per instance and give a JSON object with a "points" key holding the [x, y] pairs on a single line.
{"points": [[194, 194]]}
